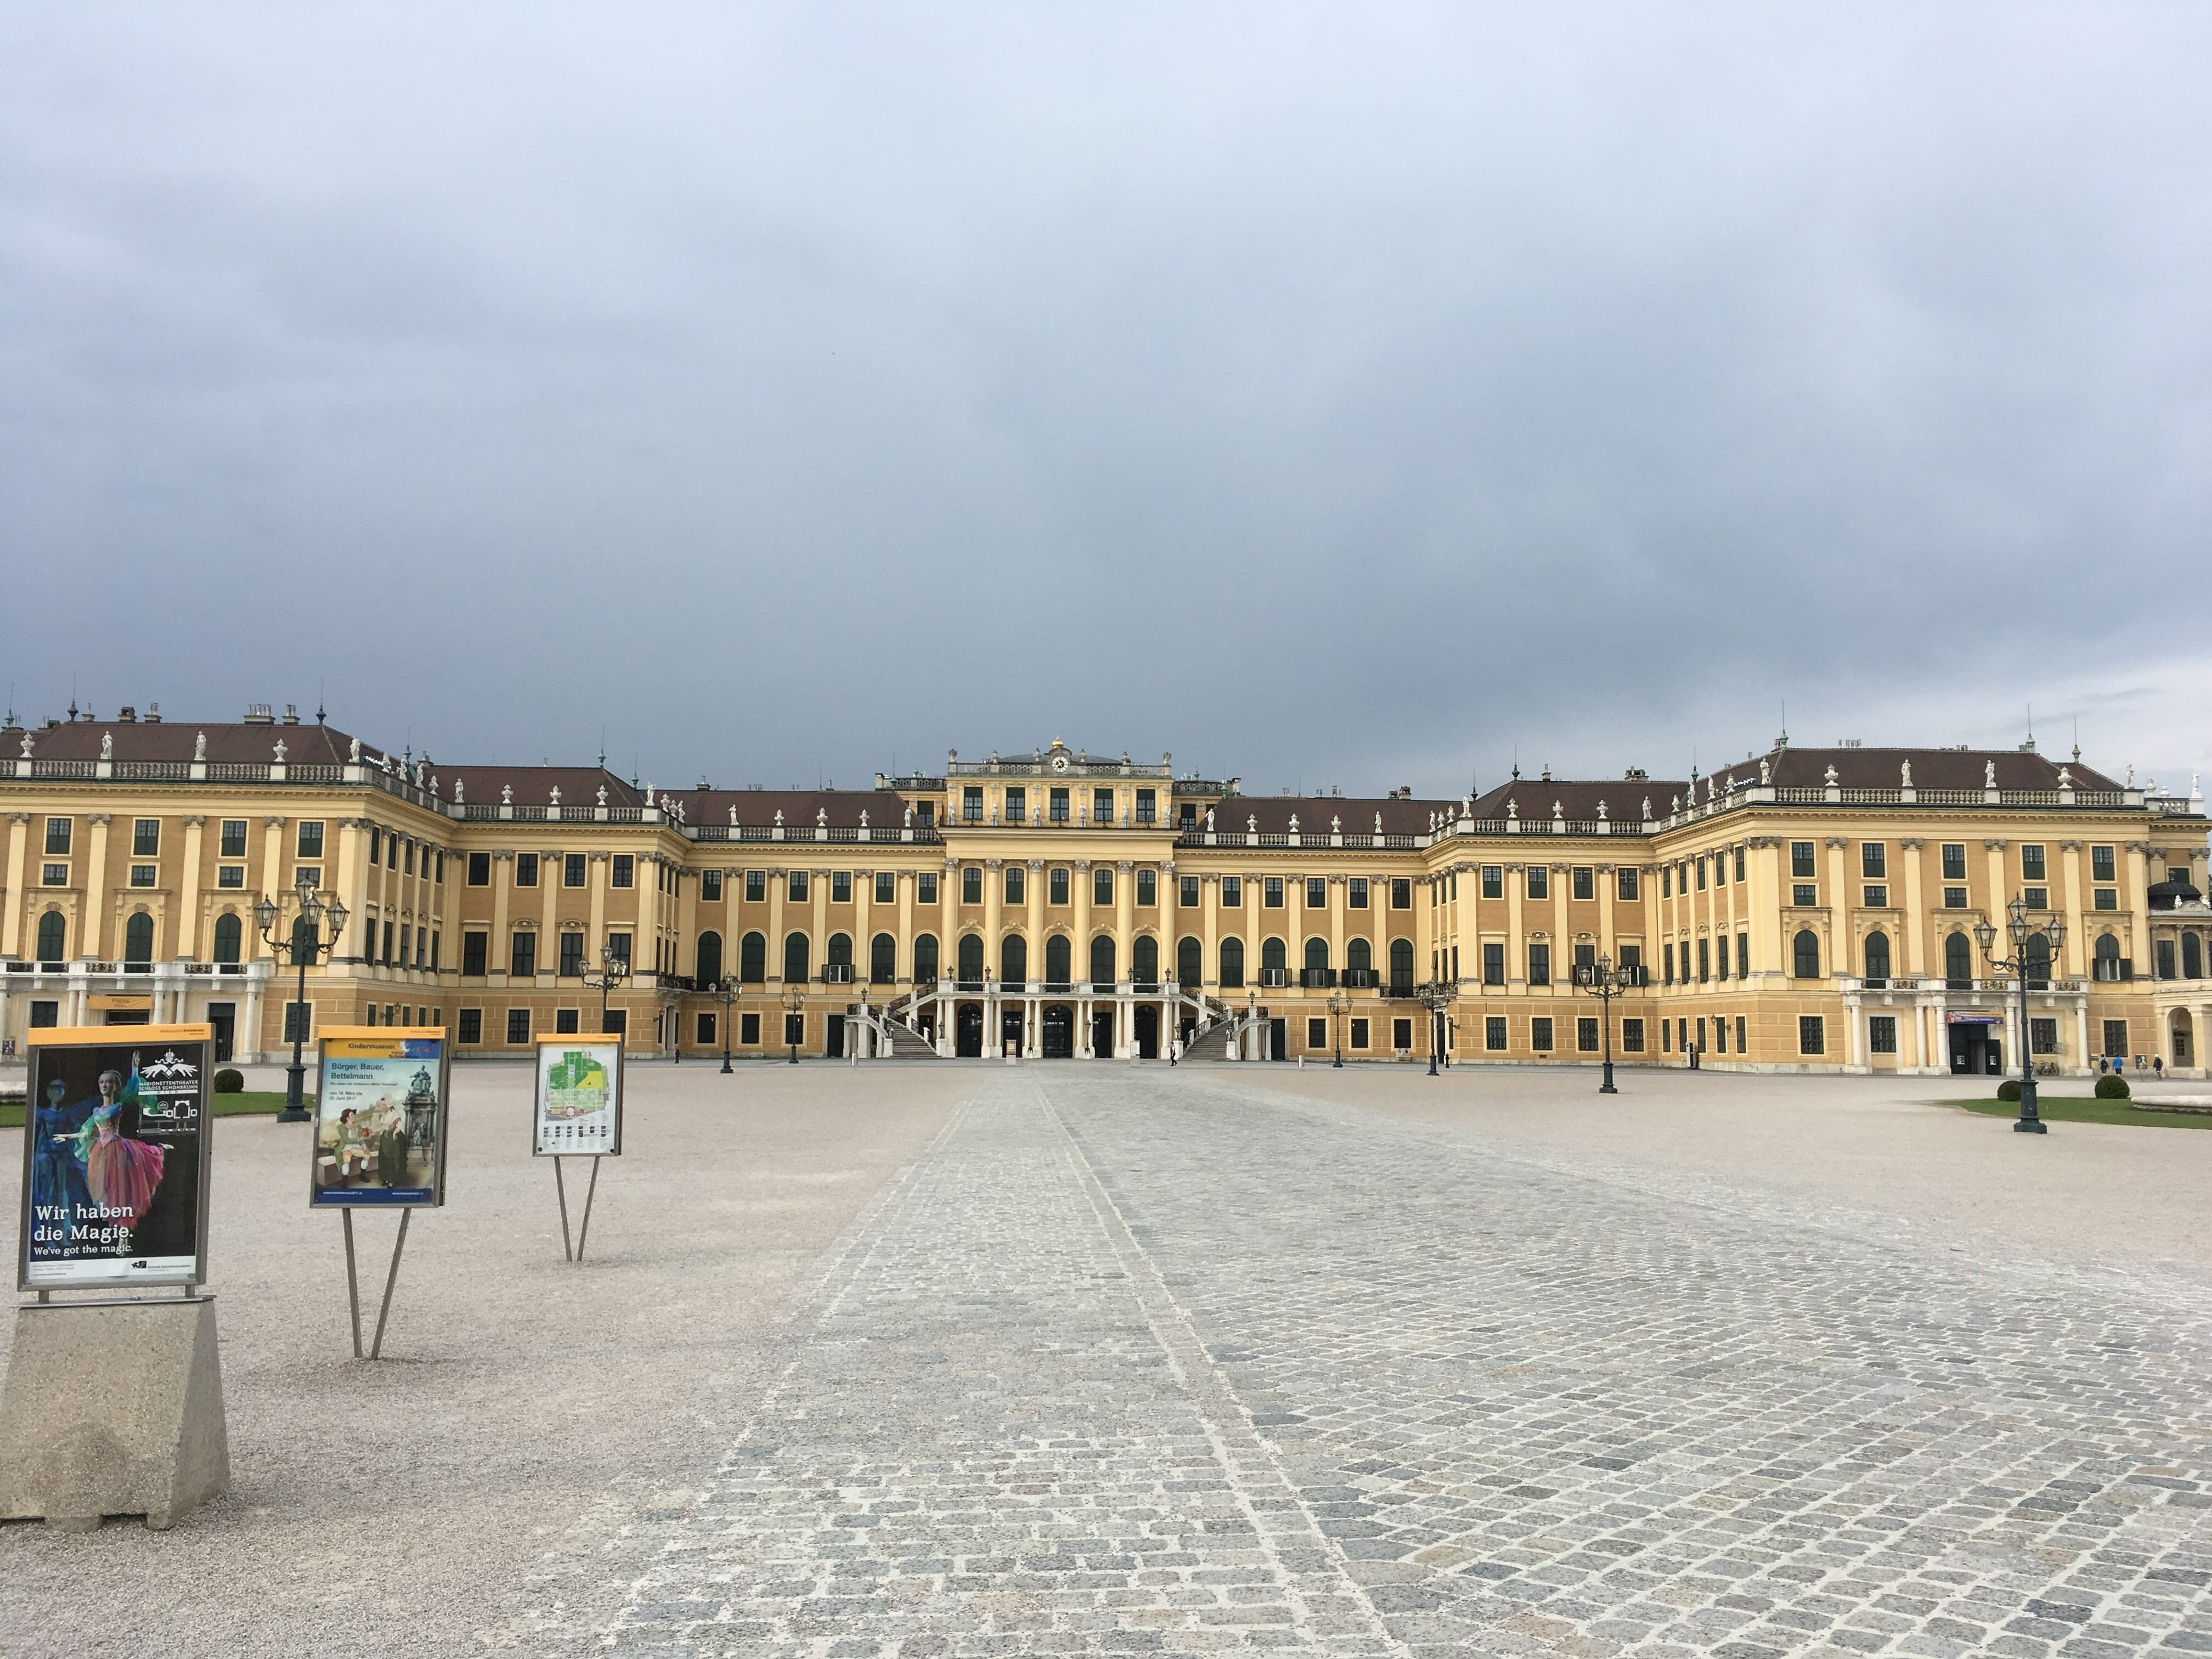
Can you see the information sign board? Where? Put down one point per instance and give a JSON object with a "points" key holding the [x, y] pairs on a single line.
{"points": [[381, 1117]]}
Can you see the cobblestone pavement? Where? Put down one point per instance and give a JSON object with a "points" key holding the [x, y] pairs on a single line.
{"points": [[1140, 1363]]}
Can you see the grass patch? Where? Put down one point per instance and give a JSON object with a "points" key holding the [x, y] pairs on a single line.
{"points": [[251, 1104], [2074, 1108]]}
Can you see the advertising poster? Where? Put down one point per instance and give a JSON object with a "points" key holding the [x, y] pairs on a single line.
{"points": [[115, 1176], [579, 1111], [381, 1117]]}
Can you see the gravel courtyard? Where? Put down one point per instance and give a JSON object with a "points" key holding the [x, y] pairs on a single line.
{"points": [[1099, 1358]]}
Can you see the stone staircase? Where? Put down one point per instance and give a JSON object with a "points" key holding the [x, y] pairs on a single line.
{"points": [[902, 1042]]}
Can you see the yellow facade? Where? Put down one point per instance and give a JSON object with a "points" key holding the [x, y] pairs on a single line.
{"points": [[1799, 910]]}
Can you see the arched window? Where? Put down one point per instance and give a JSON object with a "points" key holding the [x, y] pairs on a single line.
{"points": [[707, 960], [1958, 961], [841, 950], [1359, 960], [2038, 952], [883, 959], [2192, 955], [1058, 968], [306, 937], [53, 937], [795, 955], [1232, 965], [925, 959], [1401, 961], [139, 939], [1145, 960], [2108, 957], [1013, 960], [971, 958], [1805, 955], [229, 933], [1877, 955], [1317, 953], [1102, 959], [1190, 962], [1273, 958], [752, 958]]}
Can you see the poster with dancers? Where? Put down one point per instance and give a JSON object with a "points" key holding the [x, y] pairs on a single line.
{"points": [[578, 1109], [379, 1117], [115, 1157]]}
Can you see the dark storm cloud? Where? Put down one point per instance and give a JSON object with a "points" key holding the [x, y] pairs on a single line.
{"points": [[1334, 395]]}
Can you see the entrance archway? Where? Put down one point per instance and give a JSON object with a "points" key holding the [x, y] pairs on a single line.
{"points": [[1102, 1034], [2183, 1050], [968, 1032], [1148, 1031], [1059, 1031]]}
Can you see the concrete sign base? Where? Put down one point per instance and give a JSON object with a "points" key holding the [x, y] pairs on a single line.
{"points": [[112, 1408]]}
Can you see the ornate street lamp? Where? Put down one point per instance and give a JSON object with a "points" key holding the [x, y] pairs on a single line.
{"points": [[725, 988], [794, 1002], [307, 943], [1601, 980], [2019, 928], [1336, 1006], [1435, 996], [613, 970]]}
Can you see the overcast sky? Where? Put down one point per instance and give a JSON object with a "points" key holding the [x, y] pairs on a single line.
{"points": [[1348, 395]]}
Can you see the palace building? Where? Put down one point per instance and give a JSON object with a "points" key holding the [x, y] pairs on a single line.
{"points": [[1799, 910]]}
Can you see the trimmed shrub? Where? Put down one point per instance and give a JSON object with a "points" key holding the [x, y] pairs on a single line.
{"points": [[2111, 1087], [2010, 1089], [229, 1082]]}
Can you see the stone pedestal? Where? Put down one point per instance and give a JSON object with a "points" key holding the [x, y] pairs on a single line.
{"points": [[112, 1408]]}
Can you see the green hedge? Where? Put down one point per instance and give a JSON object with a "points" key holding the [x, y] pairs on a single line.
{"points": [[2010, 1089], [229, 1082], [2111, 1087]]}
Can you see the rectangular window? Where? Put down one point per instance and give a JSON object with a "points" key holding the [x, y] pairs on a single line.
{"points": [[1402, 893], [756, 886], [1317, 892], [2104, 898], [1743, 956], [435, 939], [1015, 878], [1540, 965], [479, 869], [310, 844], [1632, 963], [1631, 1036], [146, 838], [1812, 1035], [1018, 806], [58, 838], [1316, 1034], [522, 955], [1187, 891], [1057, 805], [1704, 961], [1402, 1034], [622, 871], [795, 887], [1873, 860], [233, 841], [1875, 898], [1147, 806], [230, 875], [1270, 893], [971, 885], [1494, 881], [2030, 864], [1739, 1034], [1954, 860], [304, 876], [1804, 895], [1540, 1035], [1101, 883], [1666, 958], [1540, 881], [749, 1030], [474, 948], [2036, 898], [1625, 884], [925, 888], [702, 1031], [1232, 892], [1493, 964], [1493, 1033], [572, 955], [840, 887], [142, 875], [1720, 956], [567, 1022], [471, 1026], [1666, 881], [526, 869], [1666, 1036], [1585, 1036], [406, 942], [971, 804], [518, 1025], [618, 945], [1585, 880], [2043, 1036], [575, 867], [794, 1029], [1148, 888], [1738, 865], [2115, 1038], [409, 862], [1954, 898], [886, 887], [1102, 806], [1358, 1034], [1800, 859], [710, 886], [1055, 887], [1701, 875], [1881, 1035], [2101, 865]]}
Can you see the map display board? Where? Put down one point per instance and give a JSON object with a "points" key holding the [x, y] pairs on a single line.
{"points": [[115, 1157], [578, 1110], [379, 1117]]}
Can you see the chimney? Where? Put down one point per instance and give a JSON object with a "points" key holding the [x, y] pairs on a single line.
{"points": [[153, 713], [291, 714], [259, 714], [128, 713]]}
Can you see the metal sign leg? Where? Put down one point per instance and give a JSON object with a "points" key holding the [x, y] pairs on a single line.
{"points": [[391, 1279], [589, 1191], [353, 1283], [568, 1252]]}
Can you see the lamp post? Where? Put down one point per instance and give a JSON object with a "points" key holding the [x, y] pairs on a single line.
{"points": [[1435, 996], [305, 945], [1601, 980], [725, 988], [2020, 929], [794, 1002], [613, 970], [1336, 1025]]}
